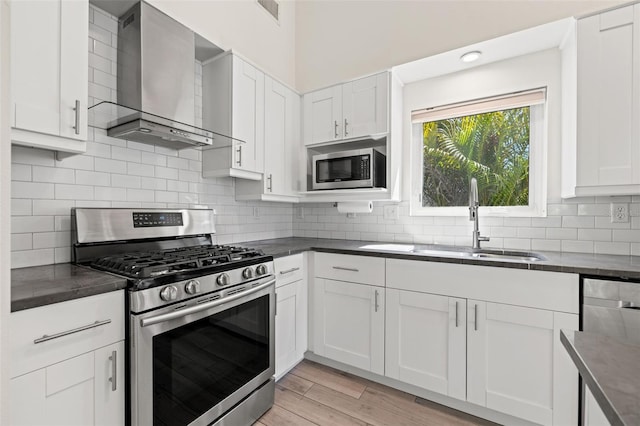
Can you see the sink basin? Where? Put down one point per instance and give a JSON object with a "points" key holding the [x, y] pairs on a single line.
{"points": [[459, 252]]}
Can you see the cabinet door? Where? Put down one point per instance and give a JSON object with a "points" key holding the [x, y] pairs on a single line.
{"points": [[609, 99], [49, 67], [323, 115], [61, 394], [511, 353], [364, 106], [349, 323], [281, 143], [248, 116], [109, 385], [593, 414], [426, 341], [291, 326]]}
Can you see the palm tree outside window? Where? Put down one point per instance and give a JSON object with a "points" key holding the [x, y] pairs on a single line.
{"points": [[489, 139]]}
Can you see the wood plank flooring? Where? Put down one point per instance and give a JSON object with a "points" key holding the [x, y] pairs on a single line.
{"points": [[313, 394]]}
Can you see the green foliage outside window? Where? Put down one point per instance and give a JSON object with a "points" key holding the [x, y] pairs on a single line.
{"points": [[492, 147]]}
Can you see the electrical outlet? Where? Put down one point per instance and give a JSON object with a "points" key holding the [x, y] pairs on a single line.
{"points": [[619, 213], [300, 212], [390, 212], [256, 212]]}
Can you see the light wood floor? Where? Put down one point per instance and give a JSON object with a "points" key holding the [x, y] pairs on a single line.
{"points": [[313, 394]]}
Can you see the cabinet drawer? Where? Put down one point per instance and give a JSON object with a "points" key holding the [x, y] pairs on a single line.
{"points": [[103, 315], [553, 291], [289, 269], [344, 267]]}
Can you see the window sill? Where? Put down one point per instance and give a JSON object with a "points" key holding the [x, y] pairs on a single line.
{"points": [[522, 211]]}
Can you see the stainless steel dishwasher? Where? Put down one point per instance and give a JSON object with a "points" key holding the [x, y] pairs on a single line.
{"points": [[612, 308]]}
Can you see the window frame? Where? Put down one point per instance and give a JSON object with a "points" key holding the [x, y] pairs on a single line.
{"points": [[538, 135]]}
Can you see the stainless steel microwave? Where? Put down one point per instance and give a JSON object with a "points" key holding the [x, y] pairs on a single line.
{"points": [[358, 168]]}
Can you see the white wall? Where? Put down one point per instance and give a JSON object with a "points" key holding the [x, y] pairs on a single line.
{"points": [[342, 40], [5, 211], [244, 26]]}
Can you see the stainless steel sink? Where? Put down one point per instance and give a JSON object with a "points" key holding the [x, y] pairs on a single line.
{"points": [[460, 252]]}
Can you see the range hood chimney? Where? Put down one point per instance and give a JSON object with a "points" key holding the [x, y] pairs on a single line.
{"points": [[156, 83]]}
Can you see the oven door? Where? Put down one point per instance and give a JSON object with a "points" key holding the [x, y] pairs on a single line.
{"points": [[191, 364]]}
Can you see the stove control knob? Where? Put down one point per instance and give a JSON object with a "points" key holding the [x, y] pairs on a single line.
{"points": [[169, 293], [192, 287], [261, 270], [223, 279], [247, 273]]}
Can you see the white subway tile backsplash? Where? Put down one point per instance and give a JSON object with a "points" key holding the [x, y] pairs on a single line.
{"points": [[21, 241], [626, 235], [178, 163], [153, 183], [32, 190], [99, 63], [104, 78], [43, 240], [33, 156], [77, 162], [52, 207], [141, 146], [578, 221], [99, 150], [24, 224], [166, 173], [53, 174], [21, 172], [141, 195], [74, 192], [111, 194], [125, 154], [153, 159], [612, 248], [594, 234], [578, 246], [110, 166], [23, 259], [21, 207], [125, 181], [93, 178], [166, 196], [136, 169]]}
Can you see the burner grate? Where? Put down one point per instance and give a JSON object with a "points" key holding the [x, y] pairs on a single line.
{"points": [[165, 262]]}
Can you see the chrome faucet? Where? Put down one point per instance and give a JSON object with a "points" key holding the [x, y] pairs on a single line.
{"points": [[474, 203]]}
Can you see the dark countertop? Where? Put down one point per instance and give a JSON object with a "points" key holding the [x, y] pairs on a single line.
{"points": [[604, 265], [44, 285], [609, 368]]}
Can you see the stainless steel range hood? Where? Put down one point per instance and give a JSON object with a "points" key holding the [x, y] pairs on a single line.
{"points": [[156, 84]]}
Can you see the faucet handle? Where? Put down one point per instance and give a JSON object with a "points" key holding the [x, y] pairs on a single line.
{"points": [[483, 238]]}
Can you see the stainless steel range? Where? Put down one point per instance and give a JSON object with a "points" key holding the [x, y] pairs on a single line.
{"points": [[201, 316]]}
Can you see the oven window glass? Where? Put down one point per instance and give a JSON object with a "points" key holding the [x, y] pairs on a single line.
{"points": [[342, 169], [197, 365]]}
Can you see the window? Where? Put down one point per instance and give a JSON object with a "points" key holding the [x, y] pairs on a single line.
{"points": [[499, 141]]}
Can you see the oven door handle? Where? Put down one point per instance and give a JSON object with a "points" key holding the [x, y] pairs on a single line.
{"points": [[144, 322]]}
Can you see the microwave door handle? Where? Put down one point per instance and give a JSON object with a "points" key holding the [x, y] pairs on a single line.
{"points": [[203, 307]]}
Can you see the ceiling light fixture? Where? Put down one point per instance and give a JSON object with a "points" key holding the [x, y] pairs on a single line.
{"points": [[471, 56]]}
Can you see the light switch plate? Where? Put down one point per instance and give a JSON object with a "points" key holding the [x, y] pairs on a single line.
{"points": [[390, 212]]}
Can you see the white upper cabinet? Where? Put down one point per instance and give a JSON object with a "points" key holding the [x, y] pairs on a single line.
{"points": [[49, 74], [281, 147], [347, 111], [233, 104], [608, 109]]}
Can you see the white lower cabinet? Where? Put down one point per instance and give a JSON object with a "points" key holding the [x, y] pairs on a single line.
{"points": [[291, 326], [513, 353], [348, 323], [593, 414], [67, 363], [426, 341]]}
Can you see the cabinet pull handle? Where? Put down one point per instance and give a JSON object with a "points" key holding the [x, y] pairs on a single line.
{"points": [[46, 337], [239, 151], [335, 128], [342, 268], [289, 271], [77, 110], [114, 371], [376, 301], [345, 128], [270, 185], [456, 314], [275, 300], [475, 317]]}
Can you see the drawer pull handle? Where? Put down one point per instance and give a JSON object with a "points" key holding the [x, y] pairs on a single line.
{"points": [[377, 306], [75, 330], [456, 314], [475, 317], [342, 268], [288, 271], [114, 370]]}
